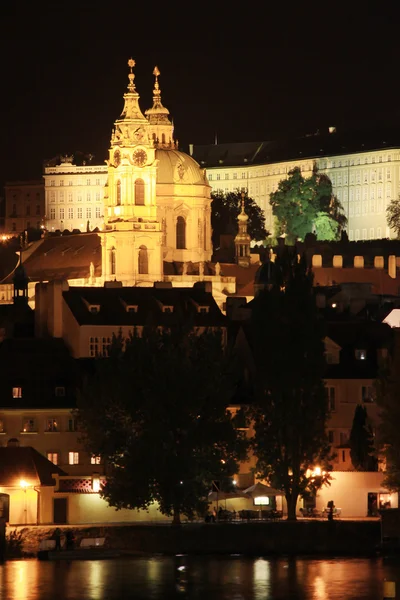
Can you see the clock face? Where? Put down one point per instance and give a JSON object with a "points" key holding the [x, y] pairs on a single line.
{"points": [[139, 158], [117, 158]]}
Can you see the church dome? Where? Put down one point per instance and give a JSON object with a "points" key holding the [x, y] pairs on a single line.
{"points": [[265, 274], [179, 168]]}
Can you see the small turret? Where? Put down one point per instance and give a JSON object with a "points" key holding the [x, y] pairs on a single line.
{"points": [[243, 239], [161, 128]]}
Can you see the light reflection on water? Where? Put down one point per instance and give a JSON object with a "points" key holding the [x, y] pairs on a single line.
{"points": [[197, 578]]}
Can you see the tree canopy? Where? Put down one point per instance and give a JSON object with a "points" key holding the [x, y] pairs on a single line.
{"points": [[361, 441], [156, 412], [225, 209], [307, 204], [290, 408], [387, 399], [393, 215]]}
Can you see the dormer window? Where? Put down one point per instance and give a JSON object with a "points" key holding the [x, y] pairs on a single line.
{"points": [[203, 309], [361, 354], [17, 392], [60, 391], [94, 308], [167, 309], [131, 308]]}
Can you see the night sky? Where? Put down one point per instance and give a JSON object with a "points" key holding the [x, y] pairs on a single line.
{"points": [[259, 75]]}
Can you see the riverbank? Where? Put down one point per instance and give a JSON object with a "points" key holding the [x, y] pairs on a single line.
{"points": [[345, 538]]}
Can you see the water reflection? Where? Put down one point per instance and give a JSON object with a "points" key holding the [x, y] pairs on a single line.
{"points": [[210, 578]]}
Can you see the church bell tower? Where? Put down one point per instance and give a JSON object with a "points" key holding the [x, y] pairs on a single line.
{"points": [[132, 238]]}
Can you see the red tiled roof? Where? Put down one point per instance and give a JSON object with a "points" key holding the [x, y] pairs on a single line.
{"points": [[62, 257], [26, 463]]}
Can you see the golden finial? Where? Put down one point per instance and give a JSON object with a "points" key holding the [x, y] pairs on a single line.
{"points": [[156, 73], [242, 202], [131, 76]]}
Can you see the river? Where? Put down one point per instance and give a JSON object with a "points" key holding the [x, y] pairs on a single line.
{"points": [[200, 578]]}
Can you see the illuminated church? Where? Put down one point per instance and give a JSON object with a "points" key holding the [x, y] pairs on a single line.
{"points": [[157, 199]]}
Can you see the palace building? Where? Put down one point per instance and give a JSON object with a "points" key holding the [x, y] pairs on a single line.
{"points": [[364, 169]]}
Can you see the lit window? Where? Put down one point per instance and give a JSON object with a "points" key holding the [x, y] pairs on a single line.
{"points": [[61, 182], [105, 345], [361, 354], [261, 501], [95, 460], [51, 425], [28, 426], [73, 458], [93, 346], [17, 392], [53, 457]]}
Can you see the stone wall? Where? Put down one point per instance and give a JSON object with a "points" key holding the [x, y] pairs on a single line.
{"points": [[301, 537]]}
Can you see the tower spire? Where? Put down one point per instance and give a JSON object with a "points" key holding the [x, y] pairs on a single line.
{"points": [[130, 128], [158, 116], [243, 239]]}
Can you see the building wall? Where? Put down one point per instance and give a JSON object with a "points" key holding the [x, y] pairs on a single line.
{"points": [[74, 196], [24, 206], [62, 442], [349, 491]]}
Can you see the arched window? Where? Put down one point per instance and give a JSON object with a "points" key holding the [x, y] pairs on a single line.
{"points": [[112, 261], [139, 192], [143, 261], [163, 138], [118, 193], [180, 233]]}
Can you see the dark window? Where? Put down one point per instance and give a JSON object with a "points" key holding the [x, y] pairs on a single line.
{"points": [[331, 397], [118, 193], [180, 233], [28, 210], [143, 260], [139, 192]]}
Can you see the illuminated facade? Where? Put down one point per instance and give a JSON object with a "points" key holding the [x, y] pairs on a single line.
{"points": [[74, 196], [364, 181]]}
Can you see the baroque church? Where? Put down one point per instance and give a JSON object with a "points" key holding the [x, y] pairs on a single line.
{"points": [[157, 199]]}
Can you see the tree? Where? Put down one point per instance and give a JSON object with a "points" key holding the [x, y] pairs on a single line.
{"points": [[156, 412], [225, 209], [290, 409], [362, 442], [393, 216], [387, 398], [307, 204]]}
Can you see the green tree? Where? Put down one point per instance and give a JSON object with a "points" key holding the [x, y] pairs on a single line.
{"points": [[393, 215], [387, 398], [307, 204], [362, 442], [225, 209], [290, 409], [156, 412]]}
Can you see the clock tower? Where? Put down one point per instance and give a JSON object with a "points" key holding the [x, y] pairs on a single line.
{"points": [[132, 238]]}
